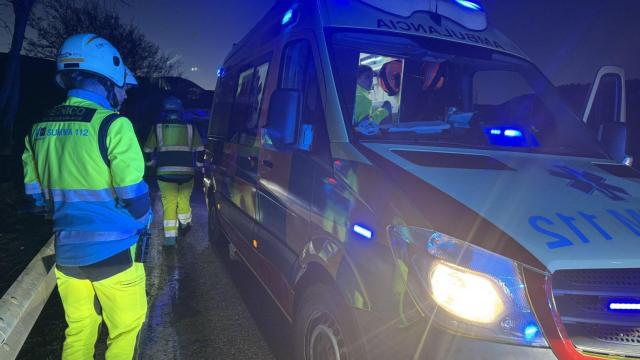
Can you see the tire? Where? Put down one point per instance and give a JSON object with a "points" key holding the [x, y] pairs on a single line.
{"points": [[325, 327]]}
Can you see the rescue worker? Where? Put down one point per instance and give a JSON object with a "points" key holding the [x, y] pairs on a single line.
{"points": [[175, 143], [84, 159], [364, 112], [434, 101]]}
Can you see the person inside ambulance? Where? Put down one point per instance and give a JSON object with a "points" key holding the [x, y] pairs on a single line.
{"points": [[84, 159], [366, 118], [175, 143], [390, 75], [441, 96], [426, 97]]}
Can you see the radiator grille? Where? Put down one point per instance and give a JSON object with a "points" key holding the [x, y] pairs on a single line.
{"points": [[582, 298]]}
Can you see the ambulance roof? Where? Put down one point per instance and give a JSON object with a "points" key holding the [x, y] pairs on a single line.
{"points": [[462, 21]]}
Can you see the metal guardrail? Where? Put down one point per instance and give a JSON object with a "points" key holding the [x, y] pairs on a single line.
{"points": [[22, 303]]}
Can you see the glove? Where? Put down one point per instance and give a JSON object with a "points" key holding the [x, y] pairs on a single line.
{"points": [[368, 127]]}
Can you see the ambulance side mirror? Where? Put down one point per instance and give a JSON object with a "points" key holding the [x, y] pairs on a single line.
{"points": [[607, 101], [284, 117], [606, 111], [613, 137]]}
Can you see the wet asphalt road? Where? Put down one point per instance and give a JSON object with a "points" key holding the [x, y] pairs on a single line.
{"points": [[201, 305]]}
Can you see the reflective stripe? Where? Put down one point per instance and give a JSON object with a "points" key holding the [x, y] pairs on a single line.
{"points": [[131, 191], [32, 188], [85, 237], [199, 148], [81, 195], [169, 223], [172, 233], [199, 164], [184, 169], [159, 136], [184, 218], [147, 150], [174, 148], [189, 135]]}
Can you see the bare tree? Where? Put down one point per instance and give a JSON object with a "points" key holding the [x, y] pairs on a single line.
{"points": [[4, 24], [55, 20], [10, 90]]}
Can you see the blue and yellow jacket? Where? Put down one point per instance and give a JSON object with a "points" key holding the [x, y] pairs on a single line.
{"points": [[84, 162]]}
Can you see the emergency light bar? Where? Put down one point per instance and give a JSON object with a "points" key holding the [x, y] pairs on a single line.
{"points": [[468, 13], [469, 4], [508, 136], [625, 306], [512, 133]]}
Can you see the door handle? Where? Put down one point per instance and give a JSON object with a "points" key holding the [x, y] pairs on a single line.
{"points": [[267, 163]]}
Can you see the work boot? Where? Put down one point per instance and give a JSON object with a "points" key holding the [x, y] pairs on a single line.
{"points": [[169, 241], [184, 229]]}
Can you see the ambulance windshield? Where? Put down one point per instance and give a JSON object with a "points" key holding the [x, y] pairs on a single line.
{"points": [[419, 90]]}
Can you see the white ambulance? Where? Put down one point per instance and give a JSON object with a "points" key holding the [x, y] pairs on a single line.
{"points": [[406, 184]]}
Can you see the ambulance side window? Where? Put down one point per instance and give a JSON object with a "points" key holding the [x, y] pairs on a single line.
{"points": [[219, 123], [248, 102], [299, 72]]}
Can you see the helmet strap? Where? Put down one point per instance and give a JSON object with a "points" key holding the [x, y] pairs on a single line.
{"points": [[111, 96]]}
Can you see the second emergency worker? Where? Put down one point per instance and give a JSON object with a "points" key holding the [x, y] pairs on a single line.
{"points": [[365, 117], [174, 143], [84, 162]]}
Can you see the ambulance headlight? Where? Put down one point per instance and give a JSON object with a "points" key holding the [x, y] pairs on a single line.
{"points": [[465, 288], [470, 296]]}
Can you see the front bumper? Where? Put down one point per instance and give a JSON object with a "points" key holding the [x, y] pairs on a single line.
{"points": [[421, 341]]}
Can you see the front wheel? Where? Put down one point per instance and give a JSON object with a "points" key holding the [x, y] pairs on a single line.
{"points": [[325, 327]]}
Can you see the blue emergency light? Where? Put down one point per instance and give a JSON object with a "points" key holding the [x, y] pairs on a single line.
{"points": [[509, 136], [631, 306], [288, 17], [469, 5], [530, 332], [512, 133], [220, 72], [362, 231]]}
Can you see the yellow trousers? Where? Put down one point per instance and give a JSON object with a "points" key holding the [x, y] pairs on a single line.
{"points": [[176, 205], [123, 302]]}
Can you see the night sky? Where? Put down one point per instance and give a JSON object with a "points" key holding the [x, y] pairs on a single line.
{"points": [[568, 39]]}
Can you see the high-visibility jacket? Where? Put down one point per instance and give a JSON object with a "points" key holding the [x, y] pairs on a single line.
{"points": [[175, 145], [363, 107], [84, 160]]}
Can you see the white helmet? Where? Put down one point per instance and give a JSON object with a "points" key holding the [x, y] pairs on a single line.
{"points": [[130, 79], [90, 53]]}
